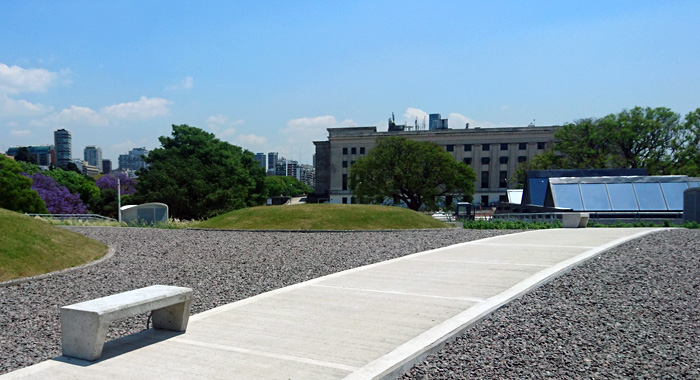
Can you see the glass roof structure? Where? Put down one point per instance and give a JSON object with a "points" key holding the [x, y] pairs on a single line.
{"points": [[617, 193]]}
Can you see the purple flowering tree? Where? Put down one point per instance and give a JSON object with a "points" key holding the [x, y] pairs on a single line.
{"points": [[57, 198], [109, 181]]}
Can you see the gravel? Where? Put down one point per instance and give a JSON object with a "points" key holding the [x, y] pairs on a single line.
{"points": [[631, 313], [221, 267]]}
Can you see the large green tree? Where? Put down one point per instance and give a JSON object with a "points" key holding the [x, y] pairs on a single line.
{"points": [[16, 192], [286, 186], [199, 176], [415, 173]]}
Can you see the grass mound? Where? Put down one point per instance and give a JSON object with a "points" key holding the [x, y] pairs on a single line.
{"points": [[29, 247], [322, 217]]}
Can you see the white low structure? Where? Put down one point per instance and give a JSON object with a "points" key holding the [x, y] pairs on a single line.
{"points": [[574, 219], [149, 213], [84, 325]]}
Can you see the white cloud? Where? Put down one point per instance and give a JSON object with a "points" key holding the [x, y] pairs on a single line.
{"points": [[19, 133], [14, 79], [221, 126], [187, 83], [251, 141], [144, 108], [308, 129], [413, 114], [458, 121], [76, 115], [20, 107]]}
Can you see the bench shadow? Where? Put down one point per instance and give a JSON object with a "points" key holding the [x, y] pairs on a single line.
{"points": [[120, 346]]}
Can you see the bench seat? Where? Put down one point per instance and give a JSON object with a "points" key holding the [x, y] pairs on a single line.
{"points": [[84, 325]]}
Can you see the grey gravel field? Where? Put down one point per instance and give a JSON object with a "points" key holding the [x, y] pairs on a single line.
{"points": [[221, 267], [631, 313]]}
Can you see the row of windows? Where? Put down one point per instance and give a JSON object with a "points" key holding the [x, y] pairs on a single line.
{"points": [[345, 163], [502, 179], [487, 147], [353, 150], [487, 160]]}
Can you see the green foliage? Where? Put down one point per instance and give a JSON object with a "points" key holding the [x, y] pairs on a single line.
{"points": [[651, 138], [23, 155], [75, 183], [500, 224], [285, 186], [415, 173], [16, 192], [199, 176], [29, 168]]}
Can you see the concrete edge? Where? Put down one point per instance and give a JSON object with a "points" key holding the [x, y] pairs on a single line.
{"points": [[403, 358]]}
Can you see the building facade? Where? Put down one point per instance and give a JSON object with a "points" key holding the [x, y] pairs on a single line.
{"points": [[93, 155], [63, 147], [106, 166], [44, 154], [493, 153], [133, 160], [272, 163], [260, 157]]}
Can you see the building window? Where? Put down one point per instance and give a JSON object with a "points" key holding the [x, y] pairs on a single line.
{"points": [[345, 164], [504, 146], [345, 181], [345, 150], [522, 146], [353, 150], [467, 147], [522, 158], [485, 160], [450, 148], [352, 163], [467, 160], [345, 200], [362, 150], [540, 145], [503, 198], [503, 179], [485, 147], [485, 179], [503, 160]]}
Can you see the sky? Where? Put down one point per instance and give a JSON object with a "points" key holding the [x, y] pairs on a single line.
{"points": [[274, 75]]}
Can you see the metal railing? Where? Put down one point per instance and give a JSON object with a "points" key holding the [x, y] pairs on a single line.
{"points": [[74, 217]]}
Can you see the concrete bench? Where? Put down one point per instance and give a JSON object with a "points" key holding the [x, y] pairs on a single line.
{"points": [[574, 219], [84, 325]]}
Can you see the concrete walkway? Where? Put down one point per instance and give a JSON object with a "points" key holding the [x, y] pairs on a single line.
{"points": [[364, 323]]}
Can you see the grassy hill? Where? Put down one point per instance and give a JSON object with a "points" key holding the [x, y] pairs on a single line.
{"points": [[29, 247], [322, 217]]}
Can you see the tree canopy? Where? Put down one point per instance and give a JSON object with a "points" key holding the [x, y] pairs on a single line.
{"points": [[651, 138], [58, 199], [199, 176], [415, 173], [16, 192], [286, 186]]}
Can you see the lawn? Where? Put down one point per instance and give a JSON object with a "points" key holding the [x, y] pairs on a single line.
{"points": [[322, 217], [29, 247]]}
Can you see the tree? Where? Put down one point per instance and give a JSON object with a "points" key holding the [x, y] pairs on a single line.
{"points": [[24, 155], [16, 192], [58, 199], [199, 176], [415, 173], [686, 146], [286, 186], [75, 183], [109, 181]]}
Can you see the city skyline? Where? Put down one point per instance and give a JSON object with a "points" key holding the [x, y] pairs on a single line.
{"points": [[271, 77]]}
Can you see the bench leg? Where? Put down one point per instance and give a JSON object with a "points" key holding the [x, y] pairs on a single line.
{"points": [[82, 334], [173, 317]]}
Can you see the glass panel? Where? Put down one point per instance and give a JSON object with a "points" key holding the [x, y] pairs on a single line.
{"points": [[595, 197], [622, 197], [674, 194], [538, 190], [567, 195], [650, 197], [692, 184]]}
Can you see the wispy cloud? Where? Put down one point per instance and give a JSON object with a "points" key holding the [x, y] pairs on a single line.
{"points": [[14, 79], [144, 108], [308, 129], [185, 84], [251, 141], [20, 107], [20, 132], [222, 126]]}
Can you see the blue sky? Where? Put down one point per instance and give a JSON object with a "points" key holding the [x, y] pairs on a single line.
{"points": [[273, 75]]}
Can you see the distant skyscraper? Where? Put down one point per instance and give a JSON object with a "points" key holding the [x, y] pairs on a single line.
{"points": [[63, 147], [133, 160], [260, 157], [435, 122], [271, 161], [93, 156], [106, 166]]}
